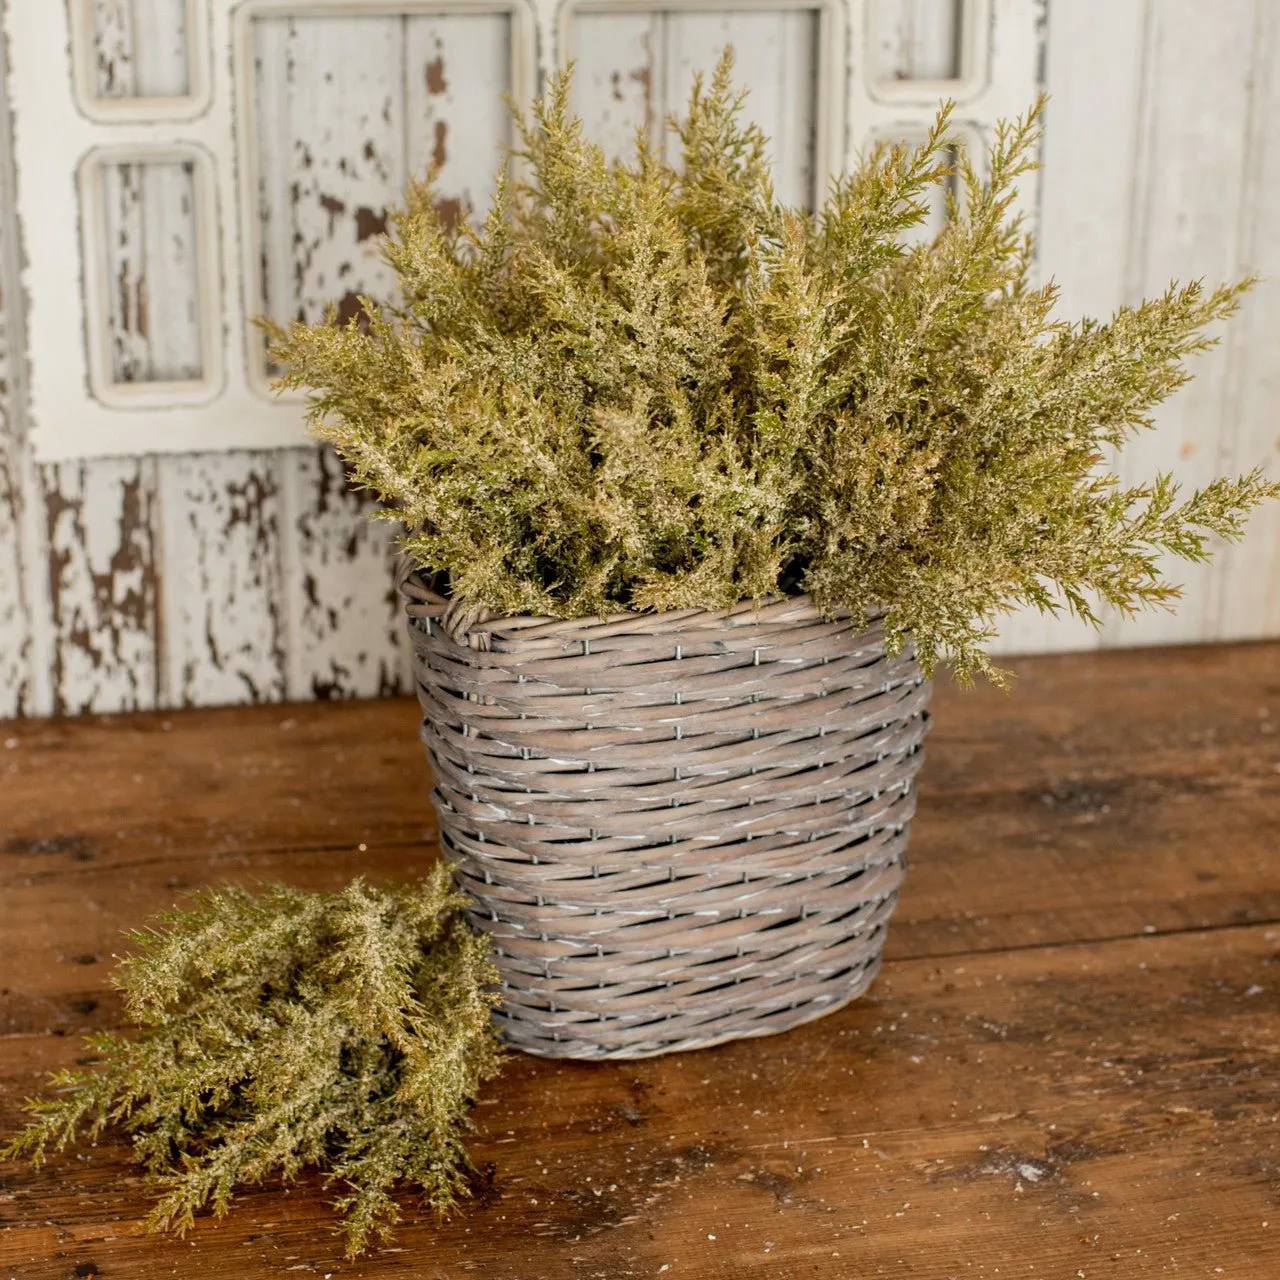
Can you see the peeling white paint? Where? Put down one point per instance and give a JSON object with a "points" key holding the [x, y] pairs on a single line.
{"points": [[225, 631], [103, 583], [348, 632]]}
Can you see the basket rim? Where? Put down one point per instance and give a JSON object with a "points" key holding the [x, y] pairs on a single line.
{"points": [[476, 627]]}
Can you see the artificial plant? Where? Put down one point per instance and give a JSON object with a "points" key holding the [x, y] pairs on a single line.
{"points": [[346, 1030], [650, 386]]}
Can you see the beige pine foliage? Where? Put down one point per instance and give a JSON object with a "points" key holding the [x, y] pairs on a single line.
{"points": [[649, 385], [349, 1031]]}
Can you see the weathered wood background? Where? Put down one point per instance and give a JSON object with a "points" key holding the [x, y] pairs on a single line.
{"points": [[213, 578]]}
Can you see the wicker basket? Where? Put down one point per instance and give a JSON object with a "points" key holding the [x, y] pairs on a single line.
{"points": [[679, 829]]}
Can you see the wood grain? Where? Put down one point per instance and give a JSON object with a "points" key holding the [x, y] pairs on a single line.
{"points": [[340, 587], [336, 150], [154, 304], [225, 635], [115, 68], [142, 49], [1025, 798], [103, 587], [1080, 1079], [915, 39], [349, 109], [15, 603], [94, 521], [454, 121], [15, 635], [636, 69], [1191, 188], [1246, 603], [331, 158]]}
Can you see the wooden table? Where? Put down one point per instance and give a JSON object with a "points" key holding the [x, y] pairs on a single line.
{"points": [[1068, 1067]]}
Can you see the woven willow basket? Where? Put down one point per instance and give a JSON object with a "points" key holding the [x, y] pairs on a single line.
{"points": [[679, 829]]}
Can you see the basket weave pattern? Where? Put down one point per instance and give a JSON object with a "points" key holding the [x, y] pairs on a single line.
{"points": [[679, 829]]}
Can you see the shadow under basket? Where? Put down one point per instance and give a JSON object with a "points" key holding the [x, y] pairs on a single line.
{"points": [[678, 828]]}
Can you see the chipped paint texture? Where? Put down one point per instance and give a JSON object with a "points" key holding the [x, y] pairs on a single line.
{"points": [[635, 69], [153, 293], [349, 108], [103, 583], [232, 576], [141, 48], [15, 606], [348, 638], [915, 39], [224, 628]]}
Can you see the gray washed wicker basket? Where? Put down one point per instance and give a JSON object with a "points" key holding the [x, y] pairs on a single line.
{"points": [[679, 829]]}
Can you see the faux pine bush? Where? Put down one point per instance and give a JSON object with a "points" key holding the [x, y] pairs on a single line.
{"points": [[649, 386]]}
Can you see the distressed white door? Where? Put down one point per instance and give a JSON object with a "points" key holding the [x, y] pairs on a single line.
{"points": [[199, 162]]}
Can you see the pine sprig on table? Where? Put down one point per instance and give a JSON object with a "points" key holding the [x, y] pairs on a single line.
{"points": [[278, 1030]]}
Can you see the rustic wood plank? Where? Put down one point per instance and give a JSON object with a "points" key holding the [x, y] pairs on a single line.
{"points": [[1186, 219], [114, 70], [637, 68], [123, 239], [103, 583], [915, 39], [615, 89], [197, 768], [1007, 1112], [153, 299], [1104, 1106], [154, 307], [348, 629], [331, 157], [1095, 71], [224, 635], [16, 692], [351, 107], [1100, 770], [141, 48], [99, 536], [337, 147], [1151, 774], [161, 47], [795, 135], [456, 68], [177, 310], [1093, 74], [1246, 603], [23, 689], [15, 613]]}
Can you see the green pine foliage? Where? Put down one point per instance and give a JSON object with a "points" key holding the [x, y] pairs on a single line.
{"points": [[650, 386], [348, 1030]]}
